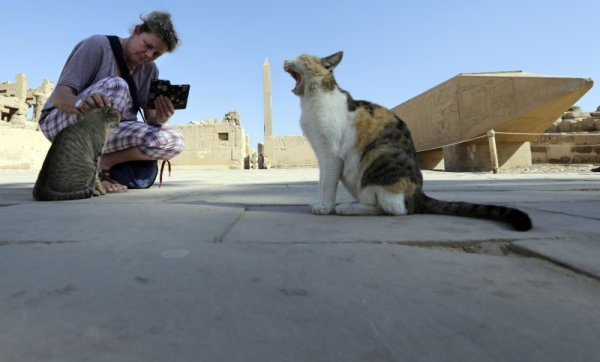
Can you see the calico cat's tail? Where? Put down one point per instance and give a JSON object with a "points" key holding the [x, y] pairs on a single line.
{"points": [[519, 220]]}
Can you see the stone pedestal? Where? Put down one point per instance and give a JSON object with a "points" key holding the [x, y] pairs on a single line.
{"points": [[431, 160], [475, 156]]}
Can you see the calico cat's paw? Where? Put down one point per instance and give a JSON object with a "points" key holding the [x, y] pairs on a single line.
{"points": [[355, 208], [321, 209]]}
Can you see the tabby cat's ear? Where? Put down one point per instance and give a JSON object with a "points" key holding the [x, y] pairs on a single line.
{"points": [[332, 61]]}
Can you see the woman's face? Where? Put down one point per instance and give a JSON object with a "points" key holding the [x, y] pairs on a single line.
{"points": [[144, 48]]}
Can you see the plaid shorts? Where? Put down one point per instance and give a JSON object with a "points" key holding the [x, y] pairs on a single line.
{"points": [[159, 143], [156, 142]]}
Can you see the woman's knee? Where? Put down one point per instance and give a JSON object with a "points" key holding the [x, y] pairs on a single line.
{"points": [[170, 144], [175, 142]]}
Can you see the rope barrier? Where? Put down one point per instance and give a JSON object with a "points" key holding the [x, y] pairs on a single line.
{"points": [[452, 144], [520, 134], [549, 134], [562, 134]]}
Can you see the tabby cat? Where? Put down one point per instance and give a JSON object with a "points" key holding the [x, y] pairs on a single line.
{"points": [[69, 169], [370, 150]]}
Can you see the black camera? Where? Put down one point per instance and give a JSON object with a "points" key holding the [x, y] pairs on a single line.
{"points": [[177, 93]]}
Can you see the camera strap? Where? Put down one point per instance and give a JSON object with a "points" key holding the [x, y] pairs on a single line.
{"points": [[117, 49]]}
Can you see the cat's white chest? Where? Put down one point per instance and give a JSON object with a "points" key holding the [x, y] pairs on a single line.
{"points": [[328, 125], [324, 118]]}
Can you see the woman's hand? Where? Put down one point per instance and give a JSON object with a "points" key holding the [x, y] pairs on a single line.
{"points": [[163, 111], [94, 100], [66, 100]]}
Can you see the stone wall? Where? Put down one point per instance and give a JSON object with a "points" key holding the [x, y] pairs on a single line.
{"points": [[22, 147], [578, 142], [288, 152], [211, 144], [214, 144]]}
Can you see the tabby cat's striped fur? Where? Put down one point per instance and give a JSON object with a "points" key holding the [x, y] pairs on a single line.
{"points": [[69, 171], [370, 150]]}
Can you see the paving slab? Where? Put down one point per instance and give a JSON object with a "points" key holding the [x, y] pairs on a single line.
{"points": [[512, 196], [232, 266], [582, 255], [589, 209], [257, 302], [59, 222], [295, 224]]}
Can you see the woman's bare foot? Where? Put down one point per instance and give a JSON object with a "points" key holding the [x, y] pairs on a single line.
{"points": [[109, 184], [106, 180], [113, 187], [108, 160]]}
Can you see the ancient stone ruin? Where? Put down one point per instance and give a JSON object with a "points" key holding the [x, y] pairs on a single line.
{"points": [[494, 108], [216, 144], [16, 98], [573, 138], [486, 121]]}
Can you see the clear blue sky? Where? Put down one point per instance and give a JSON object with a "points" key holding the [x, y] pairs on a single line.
{"points": [[393, 50]]}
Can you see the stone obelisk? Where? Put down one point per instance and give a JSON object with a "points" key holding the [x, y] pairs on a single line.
{"points": [[267, 99]]}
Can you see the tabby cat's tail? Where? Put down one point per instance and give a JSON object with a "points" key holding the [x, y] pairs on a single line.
{"points": [[45, 194], [516, 218]]}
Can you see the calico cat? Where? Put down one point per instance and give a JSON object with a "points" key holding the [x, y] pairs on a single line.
{"points": [[69, 169], [370, 150]]}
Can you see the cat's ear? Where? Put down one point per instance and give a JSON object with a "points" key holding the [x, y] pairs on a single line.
{"points": [[332, 61]]}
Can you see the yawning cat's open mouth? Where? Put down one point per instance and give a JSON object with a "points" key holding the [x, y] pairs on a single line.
{"points": [[297, 76]]}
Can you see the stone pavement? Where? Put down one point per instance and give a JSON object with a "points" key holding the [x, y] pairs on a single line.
{"points": [[231, 266]]}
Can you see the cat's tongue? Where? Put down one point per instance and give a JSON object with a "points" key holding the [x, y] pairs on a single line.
{"points": [[298, 79]]}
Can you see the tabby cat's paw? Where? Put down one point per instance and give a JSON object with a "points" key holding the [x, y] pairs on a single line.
{"points": [[98, 188], [322, 209]]}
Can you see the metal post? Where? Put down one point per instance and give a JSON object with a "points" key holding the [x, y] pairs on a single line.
{"points": [[493, 151]]}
